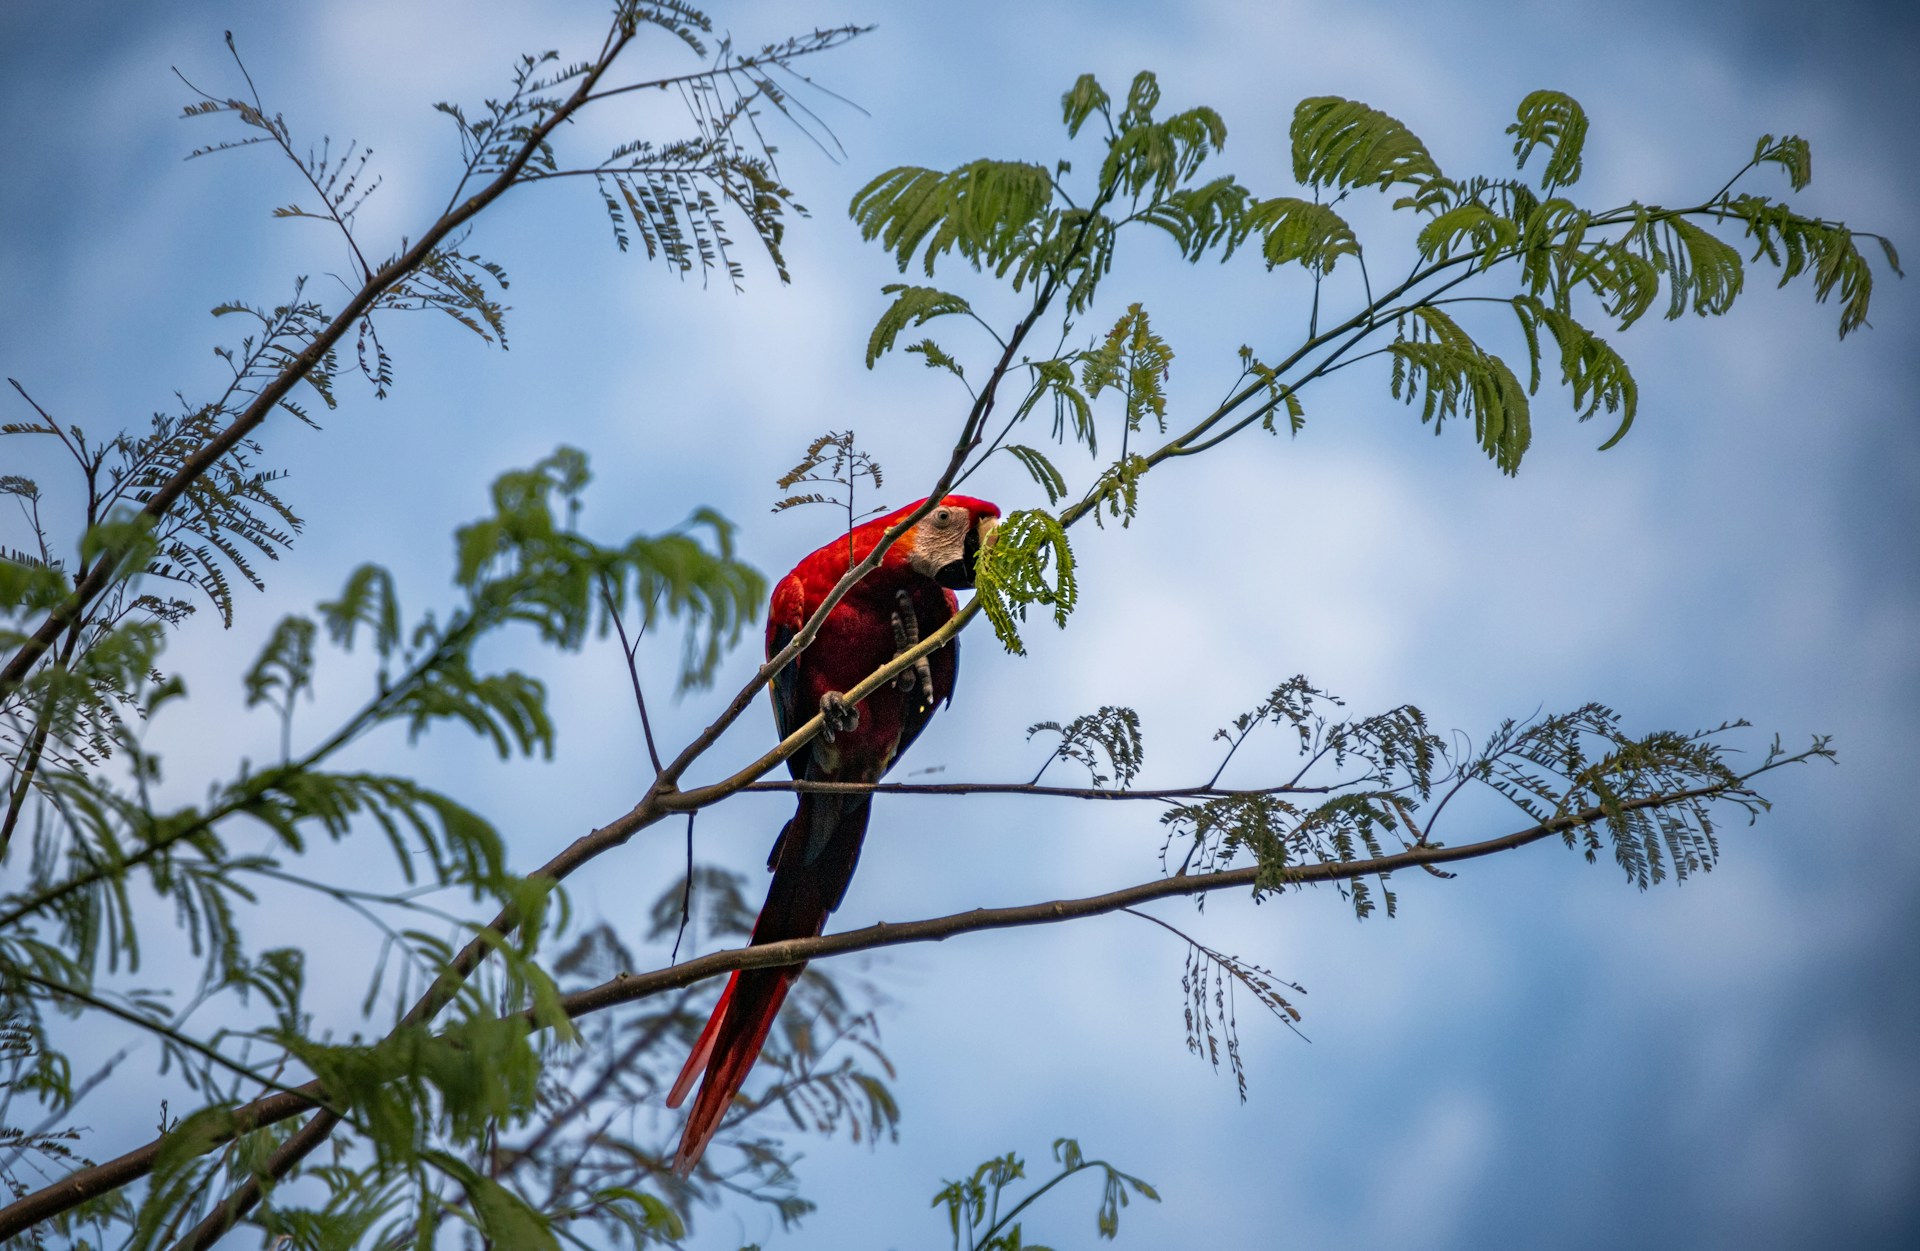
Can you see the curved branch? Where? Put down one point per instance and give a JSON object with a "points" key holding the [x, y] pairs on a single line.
{"points": [[1162, 795]]}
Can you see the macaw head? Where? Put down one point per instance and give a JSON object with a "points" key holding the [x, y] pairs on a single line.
{"points": [[945, 545]]}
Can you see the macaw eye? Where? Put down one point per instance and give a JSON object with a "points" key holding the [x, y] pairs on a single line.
{"points": [[942, 516]]}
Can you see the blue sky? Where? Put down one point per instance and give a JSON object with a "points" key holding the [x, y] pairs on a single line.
{"points": [[1531, 1054]]}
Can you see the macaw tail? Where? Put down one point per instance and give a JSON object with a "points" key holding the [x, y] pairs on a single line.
{"points": [[812, 863]]}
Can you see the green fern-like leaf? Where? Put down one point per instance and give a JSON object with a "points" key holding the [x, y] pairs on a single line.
{"points": [[1135, 360], [982, 210], [1826, 251], [1029, 562], [1472, 223], [1597, 374], [1339, 143], [1041, 470], [1791, 153], [1296, 230], [1081, 101], [937, 357], [1555, 121], [1150, 158], [1214, 214], [912, 306], [1436, 361]]}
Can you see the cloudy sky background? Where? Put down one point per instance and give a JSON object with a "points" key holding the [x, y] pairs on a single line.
{"points": [[1532, 1054]]}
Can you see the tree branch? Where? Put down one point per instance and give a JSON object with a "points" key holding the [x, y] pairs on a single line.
{"points": [[1166, 794]]}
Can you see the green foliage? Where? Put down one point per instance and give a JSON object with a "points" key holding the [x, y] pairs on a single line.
{"points": [[1438, 363], [834, 460], [1555, 121], [1133, 360], [1267, 378], [973, 1203], [1116, 493], [665, 192], [1597, 375], [525, 564], [1340, 143], [1294, 230], [1532, 247], [1029, 562], [1147, 159], [1792, 154], [1553, 767], [597, 1142], [1825, 251], [1386, 767], [1111, 732], [453, 1082], [984, 210], [912, 306], [1044, 475], [499, 1215]]}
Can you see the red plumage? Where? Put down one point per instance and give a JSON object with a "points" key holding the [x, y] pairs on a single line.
{"points": [[903, 599]]}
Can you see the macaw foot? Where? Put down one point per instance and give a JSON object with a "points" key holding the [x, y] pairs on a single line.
{"points": [[906, 634], [837, 716]]}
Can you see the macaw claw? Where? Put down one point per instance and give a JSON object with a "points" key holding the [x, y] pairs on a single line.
{"points": [[906, 634], [837, 716]]}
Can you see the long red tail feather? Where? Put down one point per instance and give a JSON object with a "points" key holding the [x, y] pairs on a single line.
{"points": [[702, 1048], [752, 1000], [806, 887]]}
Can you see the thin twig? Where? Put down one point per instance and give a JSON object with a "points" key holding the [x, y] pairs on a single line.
{"points": [[628, 650]]}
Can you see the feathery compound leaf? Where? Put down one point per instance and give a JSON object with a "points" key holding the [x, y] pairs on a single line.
{"points": [[1041, 469], [1202, 217], [1827, 250], [1343, 143], [1135, 360], [1436, 360], [1278, 396], [1701, 269], [1117, 492], [1292, 229], [983, 210], [1584, 760], [1589, 365], [1553, 120], [1480, 227], [937, 357], [1085, 98], [1029, 562], [503, 1217], [367, 599], [912, 306], [1791, 153], [1113, 732], [1158, 156], [285, 666]]}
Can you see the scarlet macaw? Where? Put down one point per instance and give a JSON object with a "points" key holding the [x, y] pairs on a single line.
{"points": [[907, 595]]}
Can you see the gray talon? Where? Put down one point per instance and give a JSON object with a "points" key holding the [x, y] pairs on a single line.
{"points": [[903, 638], [906, 633], [837, 715]]}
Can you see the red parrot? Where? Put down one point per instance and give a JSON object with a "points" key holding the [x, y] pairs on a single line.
{"points": [[906, 596]]}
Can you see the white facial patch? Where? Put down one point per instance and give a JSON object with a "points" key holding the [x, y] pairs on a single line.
{"points": [[940, 539]]}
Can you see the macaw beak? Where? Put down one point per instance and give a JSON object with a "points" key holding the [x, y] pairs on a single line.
{"points": [[958, 575]]}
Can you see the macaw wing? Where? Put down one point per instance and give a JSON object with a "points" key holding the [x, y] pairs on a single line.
{"points": [[785, 615]]}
